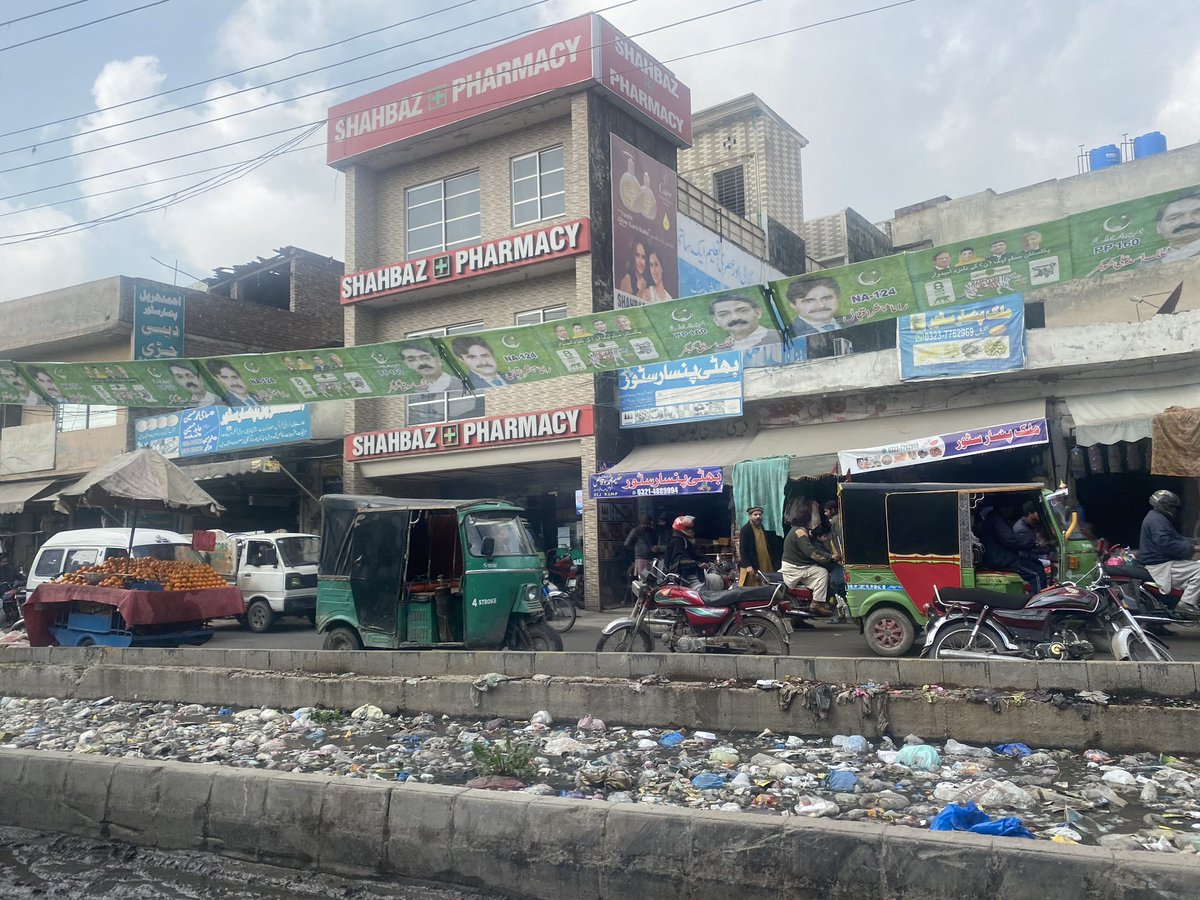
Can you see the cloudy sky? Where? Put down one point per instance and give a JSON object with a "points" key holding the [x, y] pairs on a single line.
{"points": [[930, 97]]}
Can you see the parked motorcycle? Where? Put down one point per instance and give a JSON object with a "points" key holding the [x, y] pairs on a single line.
{"points": [[735, 620], [557, 605], [1141, 596], [10, 600], [973, 623], [566, 575]]}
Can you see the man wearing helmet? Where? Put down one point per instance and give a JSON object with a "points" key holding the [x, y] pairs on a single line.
{"points": [[1168, 554], [681, 557]]}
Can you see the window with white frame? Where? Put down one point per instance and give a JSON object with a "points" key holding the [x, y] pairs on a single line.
{"points": [[442, 215], [537, 186], [452, 401], [538, 316], [77, 417]]}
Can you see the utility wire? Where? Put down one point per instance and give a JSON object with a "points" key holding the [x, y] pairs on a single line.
{"points": [[108, 18], [43, 12]]}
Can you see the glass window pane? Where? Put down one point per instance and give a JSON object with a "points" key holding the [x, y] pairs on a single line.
{"points": [[425, 239], [426, 214], [554, 205], [464, 328], [525, 189], [552, 159], [533, 317], [424, 194], [524, 166], [464, 231], [525, 212], [466, 408], [552, 183], [461, 184], [554, 312], [465, 205]]}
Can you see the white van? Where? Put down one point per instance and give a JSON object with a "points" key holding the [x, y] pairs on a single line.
{"points": [[71, 550], [277, 573]]}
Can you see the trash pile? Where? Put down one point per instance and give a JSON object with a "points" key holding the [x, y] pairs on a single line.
{"points": [[1137, 801]]}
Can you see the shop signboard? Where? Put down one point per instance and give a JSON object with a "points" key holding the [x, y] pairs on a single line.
{"points": [[128, 383], [832, 299], [645, 203], [644, 83], [15, 388], [657, 483], [944, 446], [547, 60], [1148, 231], [991, 265], [471, 434], [220, 429], [975, 339], [685, 391], [709, 262], [741, 319], [158, 321], [552, 242]]}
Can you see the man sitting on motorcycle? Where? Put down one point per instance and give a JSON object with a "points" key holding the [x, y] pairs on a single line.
{"points": [[1168, 554], [804, 563], [681, 557]]}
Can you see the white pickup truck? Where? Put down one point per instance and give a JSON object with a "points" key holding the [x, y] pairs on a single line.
{"points": [[277, 573]]}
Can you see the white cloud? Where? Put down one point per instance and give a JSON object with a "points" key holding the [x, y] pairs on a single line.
{"points": [[1179, 112]]}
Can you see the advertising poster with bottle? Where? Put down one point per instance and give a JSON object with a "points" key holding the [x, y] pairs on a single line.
{"points": [[645, 228], [832, 299], [992, 265], [1148, 231]]}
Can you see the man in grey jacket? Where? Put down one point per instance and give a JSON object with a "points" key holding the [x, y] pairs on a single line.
{"points": [[1168, 554]]}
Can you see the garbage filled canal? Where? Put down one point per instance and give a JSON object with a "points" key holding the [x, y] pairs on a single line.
{"points": [[1142, 801]]}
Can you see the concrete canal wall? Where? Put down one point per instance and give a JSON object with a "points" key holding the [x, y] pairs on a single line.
{"points": [[702, 691], [546, 847]]}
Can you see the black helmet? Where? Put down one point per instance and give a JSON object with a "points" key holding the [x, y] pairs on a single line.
{"points": [[1165, 502]]}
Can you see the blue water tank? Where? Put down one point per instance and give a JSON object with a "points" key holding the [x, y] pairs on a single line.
{"points": [[1149, 144], [1103, 157]]}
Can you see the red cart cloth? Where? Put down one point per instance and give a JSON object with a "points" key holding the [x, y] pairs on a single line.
{"points": [[135, 607]]}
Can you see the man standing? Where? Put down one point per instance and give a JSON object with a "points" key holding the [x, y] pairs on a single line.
{"points": [[741, 318], [815, 303], [1168, 554], [640, 540], [804, 563], [754, 554]]}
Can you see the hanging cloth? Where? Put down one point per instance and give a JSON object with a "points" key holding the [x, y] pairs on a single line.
{"points": [[762, 482], [1175, 444]]}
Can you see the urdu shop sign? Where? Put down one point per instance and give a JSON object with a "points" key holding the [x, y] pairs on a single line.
{"points": [[545, 244], [471, 434]]}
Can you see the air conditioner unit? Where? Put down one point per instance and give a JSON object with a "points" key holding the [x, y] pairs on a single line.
{"points": [[842, 347]]}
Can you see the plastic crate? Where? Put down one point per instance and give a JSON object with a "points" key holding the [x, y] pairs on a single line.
{"points": [[421, 623]]}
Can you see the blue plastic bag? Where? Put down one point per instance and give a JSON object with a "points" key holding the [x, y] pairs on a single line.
{"points": [[707, 781], [856, 743], [671, 739], [1009, 826], [841, 781], [972, 818], [1016, 751]]}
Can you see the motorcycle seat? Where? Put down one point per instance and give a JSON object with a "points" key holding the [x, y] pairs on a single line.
{"points": [[1136, 571], [735, 595], [982, 597]]}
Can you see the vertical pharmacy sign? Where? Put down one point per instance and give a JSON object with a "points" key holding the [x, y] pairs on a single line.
{"points": [[157, 322]]}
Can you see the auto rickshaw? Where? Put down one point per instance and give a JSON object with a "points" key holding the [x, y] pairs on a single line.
{"points": [[902, 540], [428, 574]]}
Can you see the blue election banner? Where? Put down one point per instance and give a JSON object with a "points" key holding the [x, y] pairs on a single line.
{"points": [[158, 327], [692, 390], [664, 482], [964, 340], [220, 429]]}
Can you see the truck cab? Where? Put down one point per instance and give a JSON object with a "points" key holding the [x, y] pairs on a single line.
{"points": [[277, 573]]}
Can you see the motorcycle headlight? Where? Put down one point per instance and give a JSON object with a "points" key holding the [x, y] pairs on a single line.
{"points": [[545, 574]]}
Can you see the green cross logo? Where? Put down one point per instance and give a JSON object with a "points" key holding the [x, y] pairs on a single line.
{"points": [[441, 266], [438, 97], [449, 435]]}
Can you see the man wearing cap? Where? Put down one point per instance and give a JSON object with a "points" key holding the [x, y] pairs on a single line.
{"points": [[754, 553]]}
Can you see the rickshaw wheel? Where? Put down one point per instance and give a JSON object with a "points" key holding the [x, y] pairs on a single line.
{"points": [[889, 631], [342, 639], [538, 637]]}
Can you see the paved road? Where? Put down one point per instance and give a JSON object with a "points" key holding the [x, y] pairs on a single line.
{"points": [[823, 640]]}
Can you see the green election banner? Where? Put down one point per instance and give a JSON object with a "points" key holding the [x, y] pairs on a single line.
{"points": [[1149, 231], [740, 319], [601, 342], [832, 299], [157, 382], [370, 370], [14, 388], [501, 357], [992, 265]]}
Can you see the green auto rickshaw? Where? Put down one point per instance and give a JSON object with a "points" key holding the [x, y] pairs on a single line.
{"points": [[428, 574], [903, 540]]}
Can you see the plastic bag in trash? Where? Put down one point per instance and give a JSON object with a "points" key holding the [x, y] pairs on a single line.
{"points": [[856, 743], [1016, 751], [708, 781], [541, 717], [671, 739], [972, 818], [367, 711], [919, 756], [841, 781]]}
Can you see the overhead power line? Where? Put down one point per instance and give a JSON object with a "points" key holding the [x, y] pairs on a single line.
{"points": [[109, 18], [44, 12]]}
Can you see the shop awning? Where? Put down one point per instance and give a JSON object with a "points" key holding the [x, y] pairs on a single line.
{"points": [[723, 452], [1125, 415], [14, 495], [259, 465], [815, 448]]}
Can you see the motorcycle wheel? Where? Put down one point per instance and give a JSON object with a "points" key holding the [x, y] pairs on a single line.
{"points": [[761, 629], [626, 639], [958, 637], [1140, 652], [562, 612]]}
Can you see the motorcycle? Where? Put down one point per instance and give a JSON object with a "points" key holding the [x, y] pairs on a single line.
{"points": [[11, 598], [566, 575], [695, 620], [1141, 596], [974, 623], [559, 610]]}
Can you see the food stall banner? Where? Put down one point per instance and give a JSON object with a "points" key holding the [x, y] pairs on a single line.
{"points": [[158, 323], [977, 339], [944, 446], [832, 299], [645, 229], [1144, 232], [685, 391], [221, 429], [659, 483], [991, 265]]}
